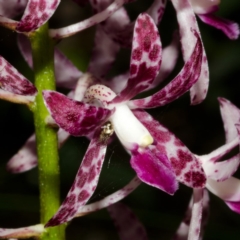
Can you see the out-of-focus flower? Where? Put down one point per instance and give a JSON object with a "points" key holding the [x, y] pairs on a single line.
{"points": [[103, 112]]}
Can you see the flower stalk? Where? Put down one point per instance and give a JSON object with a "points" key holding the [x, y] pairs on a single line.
{"points": [[47, 144]]}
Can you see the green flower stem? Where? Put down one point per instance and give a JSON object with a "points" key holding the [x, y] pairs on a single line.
{"points": [[47, 144]]}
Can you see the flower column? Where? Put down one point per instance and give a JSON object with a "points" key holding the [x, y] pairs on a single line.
{"points": [[47, 146]]}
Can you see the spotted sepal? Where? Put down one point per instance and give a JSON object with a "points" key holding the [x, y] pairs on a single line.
{"points": [[84, 184], [76, 118]]}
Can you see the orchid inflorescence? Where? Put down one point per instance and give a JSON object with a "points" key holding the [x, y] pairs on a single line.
{"points": [[102, 109]]}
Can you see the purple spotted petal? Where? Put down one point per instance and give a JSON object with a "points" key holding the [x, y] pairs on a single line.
{"points": [[126, 223], [110, 199], [183, 229], [12, 81], [185, 15], [186, 166], [36, 14], [230, 116], [154, 168], [145, 58], [25, 232], [103, 55], [84, 184], [179, 85], [76, 118], [12, 8], [230, 29], [65, 72]]}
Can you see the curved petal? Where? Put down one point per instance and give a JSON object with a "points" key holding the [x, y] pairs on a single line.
{"points": [[12, 8], [65, 72], [145, 58], [230, 116], [36, 14], [126, 223], [179, 85], [84, 184], [97, 18], [154, 169], [187, 23], [186, 166], [12, 81], [110, 199], [230, 29], [220, 171], [25, 232], [76, 118]]}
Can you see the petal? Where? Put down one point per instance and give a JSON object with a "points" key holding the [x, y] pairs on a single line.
{"points": [[103, 55], [76, 118], [110, 199], [12, 81], [204, 6], [196, 218], [15, 98], [12, 8], [157, 10], [97, 18], [126, 223], [84, 184], [26, 158], [230, 116], [25, 232], [145, 58], [154, 168], [231, 29], [228, 190], [186, 166], [185, 15], [220, 171], [179, 85], [65, 72], [36, 14], [234, 206], [183, 229], [169, 59]]}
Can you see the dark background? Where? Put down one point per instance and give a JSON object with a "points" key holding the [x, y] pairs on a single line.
{"points": [[199, 127]]}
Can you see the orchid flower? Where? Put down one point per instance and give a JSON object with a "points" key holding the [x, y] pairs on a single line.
{"points": [[205, 10], [35, 14], [103, 112]]}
